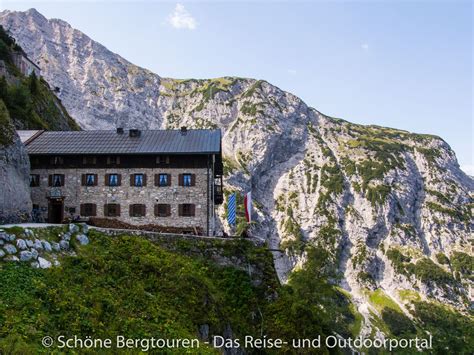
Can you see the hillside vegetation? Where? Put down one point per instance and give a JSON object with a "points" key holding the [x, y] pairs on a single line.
{"points": [[131, 286], [29, 100]]}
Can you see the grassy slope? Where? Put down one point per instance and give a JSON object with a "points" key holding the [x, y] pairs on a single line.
{"points": [[132, 286]]}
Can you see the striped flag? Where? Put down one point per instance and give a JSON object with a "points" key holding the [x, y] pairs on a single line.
{"points": [[248, 206], [231, 209]]}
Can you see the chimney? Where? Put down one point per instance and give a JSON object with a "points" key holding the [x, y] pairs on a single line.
{"points": [[119, 130], [184, 130], [135, 133]]}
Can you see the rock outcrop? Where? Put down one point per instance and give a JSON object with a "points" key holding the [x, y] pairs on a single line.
{"points": [[15, 200], [25, 103], [393, 208], [29, 245]]}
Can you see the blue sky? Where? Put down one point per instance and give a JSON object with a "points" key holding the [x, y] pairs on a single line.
{"points": [[399, 64]]}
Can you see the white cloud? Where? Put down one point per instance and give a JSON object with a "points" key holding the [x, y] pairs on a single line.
{"points": [[468, 169], [292, 71], [180, 18], [364, 46]]}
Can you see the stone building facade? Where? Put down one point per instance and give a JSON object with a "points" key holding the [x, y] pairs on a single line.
{"points": [[163, 178]]}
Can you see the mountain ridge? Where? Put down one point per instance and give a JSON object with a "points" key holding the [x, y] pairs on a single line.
{"points": [[389, 206]]}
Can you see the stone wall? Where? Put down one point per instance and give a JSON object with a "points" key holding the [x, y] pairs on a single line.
{"points": [[125, 195]]}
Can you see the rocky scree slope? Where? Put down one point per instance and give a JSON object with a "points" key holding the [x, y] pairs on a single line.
{"points": [[392, 208]]}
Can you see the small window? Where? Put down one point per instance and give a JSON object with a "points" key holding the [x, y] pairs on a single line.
{"points": [[34, 180], [56, 180], [163, 159], [113, 180], [89, 160], [113, 160], [187, 179], [57, 160], [90, 180], [162, 210], [163, 179], [88, 210], [187, 210], [137, 210], [112, 210], [138, 180]]}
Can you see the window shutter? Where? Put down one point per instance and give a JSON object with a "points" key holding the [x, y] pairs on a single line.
{"points": [[180, 210], [106, 210], [83, 180], [84, 160], [157, 180], [169, 179], [96, 180], [156, 210], [94, 160], [62, 178], [131, 211], [132, 177], [192, 210], [180, 179], [119, 179], [106, 179], [94, 210], [167, 159], [193, 179], [168, 210], [144, 179], [117, 160], [108, 160], [118, 210], [143, 210], [50, 180], [82, 209]]}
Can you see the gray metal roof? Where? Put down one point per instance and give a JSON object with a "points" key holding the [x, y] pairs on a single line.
{"points": [[199, 141]]}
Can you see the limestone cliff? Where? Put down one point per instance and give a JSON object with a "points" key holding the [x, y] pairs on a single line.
{"points": [[15, 201]]}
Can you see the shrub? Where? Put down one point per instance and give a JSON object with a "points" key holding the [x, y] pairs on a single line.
{"points": [[398, 260], [7, 130], [442, 259], [453, 332], [378, 194], [462, 263], [427, 271], [398, 323]]}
